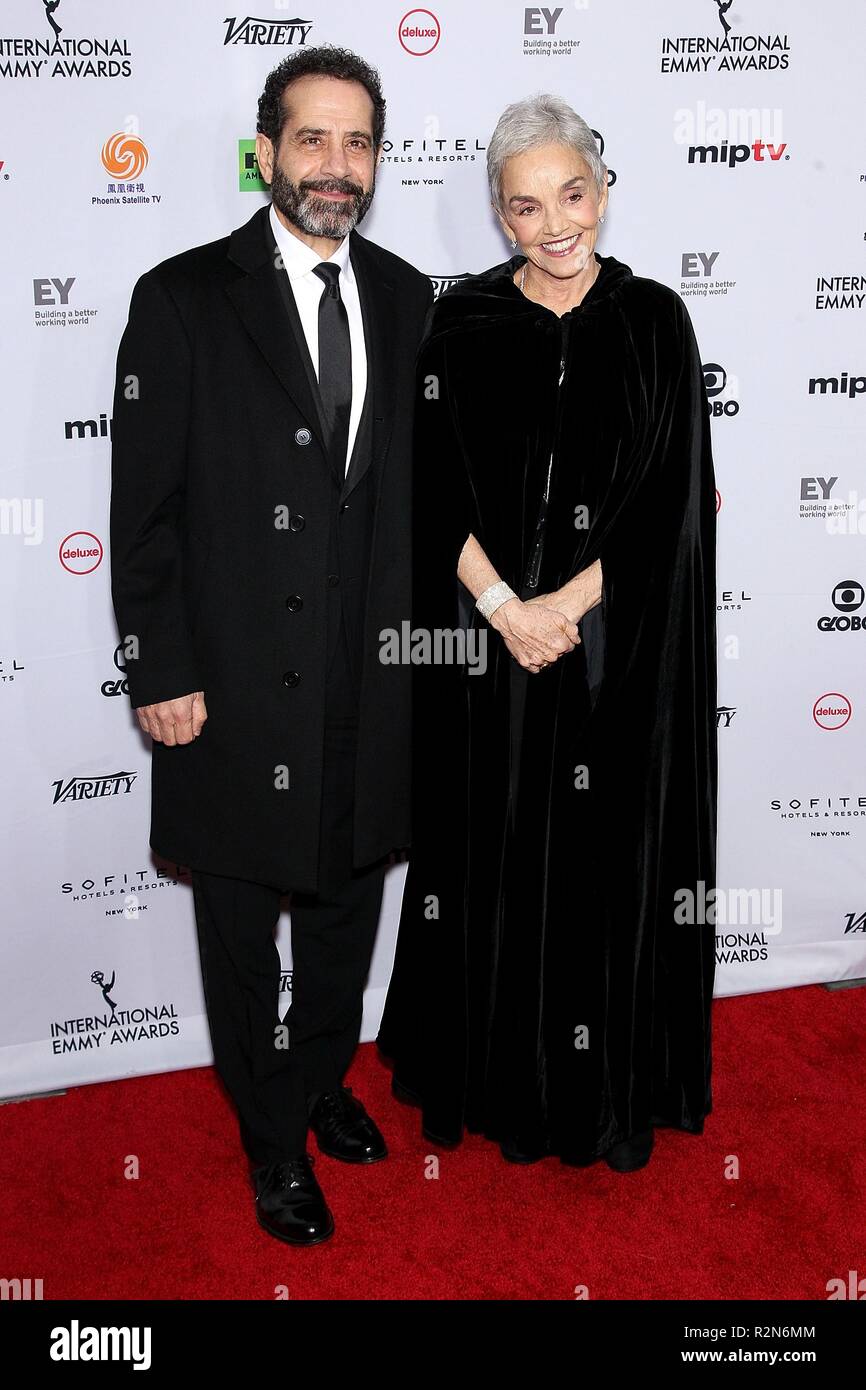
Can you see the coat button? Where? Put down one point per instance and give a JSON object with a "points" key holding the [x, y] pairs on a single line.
{"points": [[291, 678], [303, 436], [294, 602], [296, 522]]}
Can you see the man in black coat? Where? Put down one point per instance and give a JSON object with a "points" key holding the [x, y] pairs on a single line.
{"points": [[259, 546]]}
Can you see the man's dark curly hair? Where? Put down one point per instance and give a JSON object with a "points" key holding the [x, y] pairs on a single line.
{"points": [[324, 61]]}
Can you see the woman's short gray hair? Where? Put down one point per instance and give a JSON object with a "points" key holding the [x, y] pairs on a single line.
{"points": [[538, 120]]}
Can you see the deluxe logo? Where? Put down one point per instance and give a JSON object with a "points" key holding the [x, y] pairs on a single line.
{"points": [[847, 597], [732, 155], [419, 32], [124, 156], [832, 710], [267, 31], [81, 552]]}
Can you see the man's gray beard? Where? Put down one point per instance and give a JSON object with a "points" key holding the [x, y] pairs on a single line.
{"points": [[312, 215]]}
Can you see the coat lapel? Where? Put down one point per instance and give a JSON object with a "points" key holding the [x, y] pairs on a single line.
{"points": [[379, 312], [268, 312], [266, 306]]}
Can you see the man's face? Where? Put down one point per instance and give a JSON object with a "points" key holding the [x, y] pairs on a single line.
{"points": [[323, 177]]}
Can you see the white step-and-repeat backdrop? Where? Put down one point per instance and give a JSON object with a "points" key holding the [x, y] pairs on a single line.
{"points": [[734, 133]]}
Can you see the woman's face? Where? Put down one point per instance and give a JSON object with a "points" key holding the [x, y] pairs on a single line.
{"points": [[551, 208]]}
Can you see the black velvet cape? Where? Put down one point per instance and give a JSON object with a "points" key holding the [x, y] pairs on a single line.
{"points": [[542, 989]]}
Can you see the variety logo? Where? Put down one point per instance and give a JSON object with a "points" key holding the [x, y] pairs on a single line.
{"points": [[832, 711], [855, 921], [266, 32], [81, 552], [419, 32], [724, 716], [846, 598], [441, 283], [92, 788]]}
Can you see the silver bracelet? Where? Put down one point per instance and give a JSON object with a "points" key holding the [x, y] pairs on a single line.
{"points": [[493, 598]]}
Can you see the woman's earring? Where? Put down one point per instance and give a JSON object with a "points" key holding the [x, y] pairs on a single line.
{"points": [[513, 243], [601, 219]]}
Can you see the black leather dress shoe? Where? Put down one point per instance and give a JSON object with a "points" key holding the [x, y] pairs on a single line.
{"points": [[632, 1153], [289, 1202], [344, 1130]]}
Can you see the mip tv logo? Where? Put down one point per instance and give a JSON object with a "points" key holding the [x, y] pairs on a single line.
{"points": [[731, 156]]}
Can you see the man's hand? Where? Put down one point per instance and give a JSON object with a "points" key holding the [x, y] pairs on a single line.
{"points": [[174, 721], [536, 636]]}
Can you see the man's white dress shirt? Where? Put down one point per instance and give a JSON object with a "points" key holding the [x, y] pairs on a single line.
{"points": [[299, 262]]}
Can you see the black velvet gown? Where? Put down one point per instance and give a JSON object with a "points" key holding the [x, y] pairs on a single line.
{"points": [[545, 989]]}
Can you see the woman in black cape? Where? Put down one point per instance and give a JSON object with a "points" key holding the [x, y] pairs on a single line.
{"points": [[553, 977]]}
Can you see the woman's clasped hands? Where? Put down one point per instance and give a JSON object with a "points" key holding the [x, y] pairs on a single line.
{"points": [[535, 633]]}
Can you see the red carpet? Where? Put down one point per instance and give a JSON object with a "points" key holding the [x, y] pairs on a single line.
{"points": [[790, 1101]]}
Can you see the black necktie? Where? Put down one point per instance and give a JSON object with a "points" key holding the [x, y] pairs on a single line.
{"points": [[335, 362]]}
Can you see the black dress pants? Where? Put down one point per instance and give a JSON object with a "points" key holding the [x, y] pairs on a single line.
{"points": [[333, 933]]}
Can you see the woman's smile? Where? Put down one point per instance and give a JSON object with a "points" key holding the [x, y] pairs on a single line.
{"points": [[561, 247]]}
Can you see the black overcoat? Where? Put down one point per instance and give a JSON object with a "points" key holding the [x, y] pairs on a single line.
{"points": [[549, 986], [221, 506]]}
